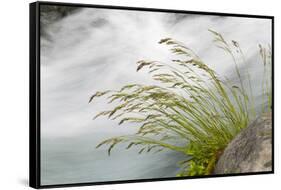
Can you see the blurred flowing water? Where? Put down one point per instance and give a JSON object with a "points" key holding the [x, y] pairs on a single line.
{"points": [[96, 49]]}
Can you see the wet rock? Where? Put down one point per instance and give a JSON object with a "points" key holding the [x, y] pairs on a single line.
{"points": [[250, 151], [51, 13]]}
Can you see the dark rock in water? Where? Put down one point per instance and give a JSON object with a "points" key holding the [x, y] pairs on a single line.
{"points": [[250, 151], [51, 13]]}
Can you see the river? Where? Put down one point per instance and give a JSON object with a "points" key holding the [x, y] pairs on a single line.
{"points": [[96, 49]]}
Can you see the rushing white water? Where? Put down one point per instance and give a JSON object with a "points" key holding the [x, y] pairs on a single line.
{"points": [[96, 49]]}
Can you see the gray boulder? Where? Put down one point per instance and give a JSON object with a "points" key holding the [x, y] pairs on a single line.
{"points": [[250, 150]]}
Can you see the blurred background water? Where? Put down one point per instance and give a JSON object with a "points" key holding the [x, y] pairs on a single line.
{"points": [[96, 49]]}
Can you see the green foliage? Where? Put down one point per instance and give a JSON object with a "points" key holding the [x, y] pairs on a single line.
{"points": [[192, 110]]}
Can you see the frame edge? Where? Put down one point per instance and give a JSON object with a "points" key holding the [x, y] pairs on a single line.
{"points": [[34, 167]]}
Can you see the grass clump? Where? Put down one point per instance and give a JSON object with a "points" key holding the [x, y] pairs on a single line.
{"points": [[192, 110]]}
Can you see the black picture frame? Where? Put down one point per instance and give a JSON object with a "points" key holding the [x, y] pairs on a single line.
{"points": [[34, 91]]}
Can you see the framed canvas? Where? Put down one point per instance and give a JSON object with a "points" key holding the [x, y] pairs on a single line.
{"points": [[126, 94]]}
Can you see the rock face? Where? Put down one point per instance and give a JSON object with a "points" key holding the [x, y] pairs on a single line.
{"points": [[51, 13], [250, 151]]}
